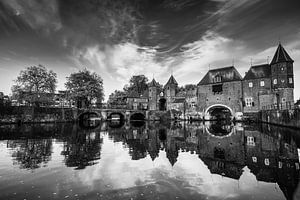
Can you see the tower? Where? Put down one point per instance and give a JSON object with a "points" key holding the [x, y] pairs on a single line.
{"points": [[282, 77], [153, 92], [170, 89]]}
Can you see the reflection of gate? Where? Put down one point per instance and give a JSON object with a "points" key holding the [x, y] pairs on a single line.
{"points": [[162, 104]]}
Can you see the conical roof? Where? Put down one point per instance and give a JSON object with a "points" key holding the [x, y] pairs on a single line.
{"points": [[153, 83], [172, 81], [281, 56]]}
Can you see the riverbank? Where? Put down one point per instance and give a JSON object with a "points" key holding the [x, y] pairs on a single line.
{"points": [[18, 115]]}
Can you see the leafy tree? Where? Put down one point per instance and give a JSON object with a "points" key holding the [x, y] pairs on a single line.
{"points": [[137, 85], [35, 84], [85, 87], [117, 98]]}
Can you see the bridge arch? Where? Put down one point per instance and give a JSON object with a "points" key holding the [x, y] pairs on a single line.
{"points": [[89, 119], [137, 116], [219, 111], [116, 116]]}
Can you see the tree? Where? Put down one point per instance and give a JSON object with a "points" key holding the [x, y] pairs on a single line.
{"points": [[85, 87], [137, 85], [35, 84], [117, 98]]}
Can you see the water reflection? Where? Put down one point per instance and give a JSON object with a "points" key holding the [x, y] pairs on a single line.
{"points": [[264, 153]]}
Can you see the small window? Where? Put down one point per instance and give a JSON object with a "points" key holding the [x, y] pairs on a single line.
{"points": [[290, 80], [168, 87], [250, 84], [250, 141], [262, 83], [279, 164], [254, 159], [217, 89], [267, 162], [282, 69], [283, 100], [275, 81], [249, 102], [282, 80], [150, 90]]}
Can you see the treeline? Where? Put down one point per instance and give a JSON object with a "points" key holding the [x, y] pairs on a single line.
{"points": [[36, 85]]}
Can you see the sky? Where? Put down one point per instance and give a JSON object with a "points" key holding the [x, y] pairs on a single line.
{"points": [[121, 38]]}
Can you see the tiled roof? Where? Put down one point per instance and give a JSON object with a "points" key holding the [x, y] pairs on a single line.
{"points": [[258, 71], [281, 56], [227, 74]]}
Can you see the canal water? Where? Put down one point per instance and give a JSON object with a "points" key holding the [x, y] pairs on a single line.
{"points": [[149, 161]]}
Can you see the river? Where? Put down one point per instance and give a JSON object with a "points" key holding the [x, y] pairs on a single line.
{"points": [[149, 161]]}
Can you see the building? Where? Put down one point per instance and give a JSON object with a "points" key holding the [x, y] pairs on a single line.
{"points": [[257, 88], [270, 86], [170, 91], [220, 91], [223, 93]]}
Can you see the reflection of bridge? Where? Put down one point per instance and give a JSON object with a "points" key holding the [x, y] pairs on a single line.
{"points": [[108, 114]]}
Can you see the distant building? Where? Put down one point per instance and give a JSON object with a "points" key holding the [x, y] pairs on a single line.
{"points": [[170, 90]]}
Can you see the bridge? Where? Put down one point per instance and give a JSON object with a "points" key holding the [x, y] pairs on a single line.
{"points": [[110, 114]]}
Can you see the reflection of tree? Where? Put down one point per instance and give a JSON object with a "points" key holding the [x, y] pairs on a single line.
{"points": [[81, 150], [30, 154]]}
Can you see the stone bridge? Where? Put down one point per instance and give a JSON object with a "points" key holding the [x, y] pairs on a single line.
{"points": [[108, 114]]}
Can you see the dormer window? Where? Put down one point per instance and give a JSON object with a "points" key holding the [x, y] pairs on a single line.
{"points": [[217, 79]]}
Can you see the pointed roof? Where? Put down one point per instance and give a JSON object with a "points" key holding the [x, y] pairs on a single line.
{"points": [[258, 71], [172, 81], [281, 56], [153, 83], [227, 74]]}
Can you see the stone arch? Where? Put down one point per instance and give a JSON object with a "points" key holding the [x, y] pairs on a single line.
{"points": [[116, 116], [137, 116], [221, 107], [89, 119]]}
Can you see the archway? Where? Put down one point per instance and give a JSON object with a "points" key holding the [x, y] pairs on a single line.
{"points": [[137, 117], [162, 104], [89, 119], [115, 116], [219, 112]]}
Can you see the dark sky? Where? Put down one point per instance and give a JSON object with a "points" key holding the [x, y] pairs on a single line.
{"points": [[121, 38]]}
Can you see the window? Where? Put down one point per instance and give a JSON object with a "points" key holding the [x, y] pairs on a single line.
{"points": [[279, 164], [217, 89], [254, 159], [250, 84], [250, 141], [282, 80], [282, 69], [249, 102], [262, 83], [290, 80], [267, 162], [275, 81], [149, 90], [217, 79], [283, 100]]}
